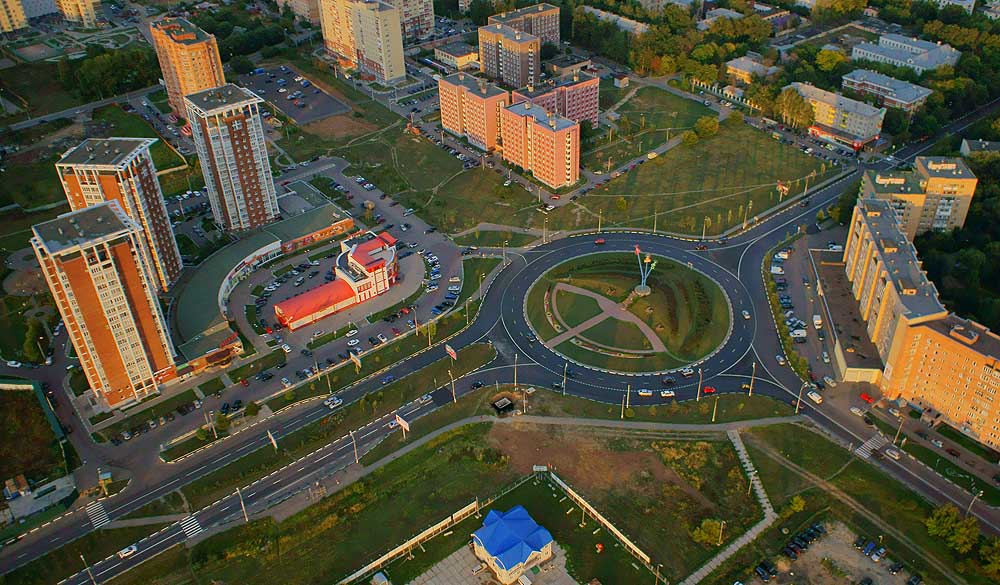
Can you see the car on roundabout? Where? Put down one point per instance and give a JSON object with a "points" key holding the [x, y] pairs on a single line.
{"points": [[709, 390]]}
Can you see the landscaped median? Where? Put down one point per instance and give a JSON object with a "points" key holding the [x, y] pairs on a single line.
{"points": [[154, 412], [207, 489]]}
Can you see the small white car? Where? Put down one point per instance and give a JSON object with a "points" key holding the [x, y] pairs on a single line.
{"points": [[352, 333], [127, 551], [830, 381], [353, 342], [667, 394], [382, 338], [287, 348], [857, 411], [425, 398], [746, 314], [826, 358], [687, 372], [332, 402]]}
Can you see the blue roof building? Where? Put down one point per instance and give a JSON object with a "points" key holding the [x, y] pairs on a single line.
{"points": [[511, 542]]}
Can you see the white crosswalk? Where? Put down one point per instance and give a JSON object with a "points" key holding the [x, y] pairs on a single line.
{"points": [[873, 444], [191, 526], [97, 514]]}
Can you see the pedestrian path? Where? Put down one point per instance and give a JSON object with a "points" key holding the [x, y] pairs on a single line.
{"points": [[873, 444], [97, 514], [191, 526], [749, 536]]}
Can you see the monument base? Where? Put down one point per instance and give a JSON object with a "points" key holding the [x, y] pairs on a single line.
{"points": [[642, 290]]}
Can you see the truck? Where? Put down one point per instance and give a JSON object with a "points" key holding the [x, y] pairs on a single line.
{"points": [[817, 322]]}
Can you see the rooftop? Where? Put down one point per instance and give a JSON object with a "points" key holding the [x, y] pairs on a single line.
{"points": [[505, 17], [509, 33], [541, 116], [306, 222], [222, 97], [512, 536], [567, 80], [980, 145], [105, 152], [844, 104], [894, 181], [457, 49], [899, 89], [474, 84], [917, 294], [940, 167], [972, 334], [181, 30], [923, 54], [314, 299], [79, 227], [859, 351], [752, 65]]}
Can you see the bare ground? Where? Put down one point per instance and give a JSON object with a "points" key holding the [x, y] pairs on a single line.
{"points": [[843, 564], [342, 126]]}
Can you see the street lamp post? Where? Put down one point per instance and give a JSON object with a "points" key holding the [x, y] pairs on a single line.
{"points": [[565, 368], [750, 482], [355, 443], [753, 374], [798, 402], [698, 399], [243, 505], [721, 526], [87, 568], [974, 498]]}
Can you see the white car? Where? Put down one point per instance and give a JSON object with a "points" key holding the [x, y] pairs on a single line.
{"points": [[687, 372], [425, 398], [826, 358], [857, 411], [282, 90], [382, 338], [746, 315], [454, 288], [13, 364], [318, 333], [332, 402], [127, 551], [352, 333], [667, 394], [287, 348], [353, 342], [830, 381]]}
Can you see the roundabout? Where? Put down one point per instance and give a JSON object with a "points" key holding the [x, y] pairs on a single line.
{"points": [[628, 312]]}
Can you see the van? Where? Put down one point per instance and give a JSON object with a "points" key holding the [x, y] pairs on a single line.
{"points": [[777, 270], [817, 322], [798, 333], [455, 279], [815, 397]]}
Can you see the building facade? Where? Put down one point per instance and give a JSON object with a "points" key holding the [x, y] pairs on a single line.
{"points": [[841, 119], [889, 91], [912, 53], [338, 31], [106, 295], [366, 267], [744, 69], [229, 137], [574, 96], [471, 108], [189, 59], [935, 196], [545, 144], [122, 170], [541, 20], [80, 12], [12, 16], [365, 35], [457, 55], [966, 5], [305, 9], [930, 358], [416, 18], [509, 56]]}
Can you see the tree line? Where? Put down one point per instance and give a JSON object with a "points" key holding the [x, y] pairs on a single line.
{"points": [[104, 73]]}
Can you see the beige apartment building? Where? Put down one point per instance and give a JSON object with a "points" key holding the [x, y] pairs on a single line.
{"points": [[229, 137], [541, 20], [416, 18], [304, 9], [122, 170], [509, 56], [12, 16], [935, 196], [79, 12], [93, 263], [841, 119], [930, 357], [470, 107], [189, 59], [366, 36], [542, 143]]}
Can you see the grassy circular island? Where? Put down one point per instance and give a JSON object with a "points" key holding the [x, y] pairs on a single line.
{"points": [[586, 309]]}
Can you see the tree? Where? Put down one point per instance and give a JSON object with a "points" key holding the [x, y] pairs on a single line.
{"points": [[964, 536], [252, 409], [549, 50], [221, 422], [706, 126], [828, 60], [32, 338], [621, 204], [942, 520], [689, 138], [989, 555], [201, 434], [708, 532], [794, 109], [241, 64]]}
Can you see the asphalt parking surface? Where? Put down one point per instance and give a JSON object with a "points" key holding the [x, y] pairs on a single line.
{"points": [[316, 104]]}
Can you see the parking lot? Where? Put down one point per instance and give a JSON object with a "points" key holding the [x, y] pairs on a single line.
{"points": [[278, 85]]}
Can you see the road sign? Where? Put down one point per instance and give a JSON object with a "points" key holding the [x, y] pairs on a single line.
{"points": [[451, 351], [402, 423], [273, 441], [356, 359]]}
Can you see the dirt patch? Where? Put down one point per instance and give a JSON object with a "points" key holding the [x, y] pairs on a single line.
{"points": [[342, 126], [833, 560], [25, 283]]}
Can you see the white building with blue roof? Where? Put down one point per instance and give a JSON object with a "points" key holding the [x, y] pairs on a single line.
{"points": [[511, 543]]}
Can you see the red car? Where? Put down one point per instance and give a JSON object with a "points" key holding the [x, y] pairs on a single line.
{"points": [[244, 382], [866, 398], [395, 331], [599, 242], [709, 390], [405, 310], [555, 197]]}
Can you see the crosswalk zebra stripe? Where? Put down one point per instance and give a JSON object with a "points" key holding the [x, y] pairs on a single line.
{"points": [[873, 444], [191, 526], [97, 514]]}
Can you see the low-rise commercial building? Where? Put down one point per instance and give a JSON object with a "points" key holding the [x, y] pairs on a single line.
{"points": [[716, 14], [971, 147], [511, 543], [912, 53], [966, 5], [509, 56], [933, 359], [935, 196], [544, 144], [93, 263], [745, 68], [366, 267], [470, 107], [891, 92], [457, 55], [841, 119], [566, 64], [574, 96], [541, 20]]}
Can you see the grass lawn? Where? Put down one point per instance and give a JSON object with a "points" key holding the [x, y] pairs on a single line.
{"points": [[399, 161], [156, 411], [17, 226], [186, 245], [207, 489], [615, 333], [31, 185], [78, 382], [251, 314], [968, 443], [181, 181], [65, 561], [38, 83], [27, 443], [159, 100], [575, 309], [451, 209], [262, 363], [124, 124], [494, 239], [15, 327], [606, 155], [171, 503], [652, 107], [212, 386], [474, 271], [716, 178], [609, 94], [167, 568]]}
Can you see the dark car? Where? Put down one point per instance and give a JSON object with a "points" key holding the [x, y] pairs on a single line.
{"points": [[237, 404], [895, 568], [225, 408], [769, 567], [790, 553], [953, 452], [762, 573], [478, 384]]}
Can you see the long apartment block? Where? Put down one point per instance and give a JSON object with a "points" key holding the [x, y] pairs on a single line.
{"points": [[509, 56]]}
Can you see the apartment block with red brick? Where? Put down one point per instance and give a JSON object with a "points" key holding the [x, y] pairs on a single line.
{"points": [[545, 144], [470, 107], [541, 20], [229, 136], [189, 59], [574, 96], [93, 263], [509, 56], [122, 170]]}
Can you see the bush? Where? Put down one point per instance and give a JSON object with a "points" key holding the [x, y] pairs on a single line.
{"points": [[252, 409]]}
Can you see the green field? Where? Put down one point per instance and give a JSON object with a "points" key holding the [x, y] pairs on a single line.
{"points": [[13, 322], [398, 161], [686, 310], [495, 239], [38, 84], [575, 309], [474, 272], [31, 185], [609, 94], [121, 123], [652, 107], [452, 208], [717, 178], [607, 155], [27, 443]]}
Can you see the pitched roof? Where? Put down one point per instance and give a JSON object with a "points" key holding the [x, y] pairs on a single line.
{"points": [[312, 301], [511, 536]]}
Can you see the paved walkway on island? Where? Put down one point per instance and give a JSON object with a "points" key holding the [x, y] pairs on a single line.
{"points": [[609, 309]]}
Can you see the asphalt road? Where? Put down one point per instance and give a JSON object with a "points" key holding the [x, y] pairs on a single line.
{"points": [[737, 264]]}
